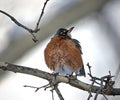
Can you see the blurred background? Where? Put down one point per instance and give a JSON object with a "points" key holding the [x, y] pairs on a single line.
{"points": [[96, 25]]}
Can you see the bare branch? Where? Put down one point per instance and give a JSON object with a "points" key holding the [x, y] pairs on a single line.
{"points": [[31, 31], [37, 88], [52, 94], [20, 25], [100, 89], [16, 22], [59, 79], [58, 93], [49, 85], [106, 84], [37, 25]]}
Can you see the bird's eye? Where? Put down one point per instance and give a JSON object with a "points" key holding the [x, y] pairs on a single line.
{"points": [[64, 31]]}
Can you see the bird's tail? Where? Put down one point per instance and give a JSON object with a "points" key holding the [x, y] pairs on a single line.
{"points": [[81, 72]]}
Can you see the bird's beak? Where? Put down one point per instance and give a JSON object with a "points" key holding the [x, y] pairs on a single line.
{"points": [[69, 30]]}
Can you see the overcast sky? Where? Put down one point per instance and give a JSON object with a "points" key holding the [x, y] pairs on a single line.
{"points": [[90, 31]]}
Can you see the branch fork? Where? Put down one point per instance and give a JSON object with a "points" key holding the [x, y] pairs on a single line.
{"points": [[106, 84], [54, 81], [31, 31]]}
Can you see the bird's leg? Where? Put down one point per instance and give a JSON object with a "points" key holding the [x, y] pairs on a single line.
{"points": [[55, 74], [71, 76]]}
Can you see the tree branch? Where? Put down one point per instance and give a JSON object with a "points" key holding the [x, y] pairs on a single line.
{"points": [[105, 83], [37, 25], [50, 77], [31, 31], [58, 93]]}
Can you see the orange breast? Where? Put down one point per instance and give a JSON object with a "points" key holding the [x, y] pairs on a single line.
{"points": [[62, 51]]}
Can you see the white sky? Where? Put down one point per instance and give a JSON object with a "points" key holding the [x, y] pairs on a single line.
{"points": [[100, 56]]}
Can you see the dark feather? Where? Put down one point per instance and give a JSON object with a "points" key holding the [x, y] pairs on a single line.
{"points": [[77, 43]]}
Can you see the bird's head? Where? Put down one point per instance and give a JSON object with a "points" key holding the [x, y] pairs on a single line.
{"points": [[62, 32]]}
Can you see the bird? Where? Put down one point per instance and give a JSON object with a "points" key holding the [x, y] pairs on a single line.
{"points": [[63, 54]]}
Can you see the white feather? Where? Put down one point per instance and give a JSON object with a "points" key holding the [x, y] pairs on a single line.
{"points": [[64, 70]]}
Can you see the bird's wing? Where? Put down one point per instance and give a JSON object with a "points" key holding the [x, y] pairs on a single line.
{"points": [[77, 43]]}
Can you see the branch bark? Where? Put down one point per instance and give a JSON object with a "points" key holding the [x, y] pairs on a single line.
{"points": [[50, 77]]}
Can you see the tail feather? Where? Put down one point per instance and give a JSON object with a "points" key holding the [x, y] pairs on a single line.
{"points": [[81, 72]]}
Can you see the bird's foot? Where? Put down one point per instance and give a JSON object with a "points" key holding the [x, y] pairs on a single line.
{"points": [[72, 77]]}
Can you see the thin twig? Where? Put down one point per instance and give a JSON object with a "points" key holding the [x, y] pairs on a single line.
{"points": [[105, 83], [58, 92], [37, 88], [52, 94], [20, 25], [90, 91], [37, 25], [31, 31], [16, 22], [105, 97], [100, 89], [89, 67]]}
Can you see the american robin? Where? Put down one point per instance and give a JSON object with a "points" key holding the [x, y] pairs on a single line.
{"points": [[63, 54]]}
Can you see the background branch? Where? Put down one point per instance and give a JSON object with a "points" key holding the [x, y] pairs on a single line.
{"points": [[82, 9], [31, 31], [37, 25], [50, 77]]}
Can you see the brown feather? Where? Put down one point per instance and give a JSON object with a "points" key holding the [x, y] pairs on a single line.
{"points": [[62, 50]]}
